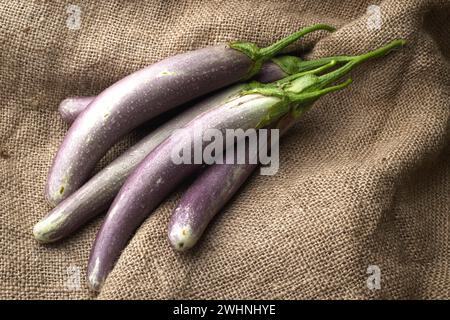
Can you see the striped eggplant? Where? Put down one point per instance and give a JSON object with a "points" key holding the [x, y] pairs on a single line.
{"points": [[147, 93]]}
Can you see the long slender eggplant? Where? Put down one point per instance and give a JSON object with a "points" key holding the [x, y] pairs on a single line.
{"points": [[96, 195], [147, 93], [275, 69], [158, 174], [209, 193], [216, 185]]}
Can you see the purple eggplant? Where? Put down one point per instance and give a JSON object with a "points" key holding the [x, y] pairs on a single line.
{"points": [[210, 192], [278, 68], [147, 93], [70, 108]]}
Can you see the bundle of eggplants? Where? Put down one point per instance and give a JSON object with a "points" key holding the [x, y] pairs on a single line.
{"points": [[134, 184], [147, 93], [96, 194]]}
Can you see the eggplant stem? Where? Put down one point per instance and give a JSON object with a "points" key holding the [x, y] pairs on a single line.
{"points": [[272, 50], [356, 60], [293, 65]]}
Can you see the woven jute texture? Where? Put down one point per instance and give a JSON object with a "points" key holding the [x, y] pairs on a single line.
{"points": [[364, 178]]}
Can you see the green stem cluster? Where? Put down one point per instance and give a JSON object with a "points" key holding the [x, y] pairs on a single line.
{"points": [[299, 91]]}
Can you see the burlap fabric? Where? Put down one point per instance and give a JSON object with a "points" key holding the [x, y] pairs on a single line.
{"points": [[364, 177]]}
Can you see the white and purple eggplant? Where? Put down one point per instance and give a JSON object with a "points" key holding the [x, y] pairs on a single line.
{"points": [[273, 70], [96, 195], [147, 93], [157, 175]]}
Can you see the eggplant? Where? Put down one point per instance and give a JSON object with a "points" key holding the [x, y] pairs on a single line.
{"points": [[278, 68], [157, 175], [95, 196], [147, 93], [70, 108]]}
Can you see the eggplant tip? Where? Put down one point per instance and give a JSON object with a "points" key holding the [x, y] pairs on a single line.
{"points": [[181, 238]]}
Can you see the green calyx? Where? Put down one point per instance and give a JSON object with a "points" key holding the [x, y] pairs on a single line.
{"points": [[299, 91], [261, 55]]}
